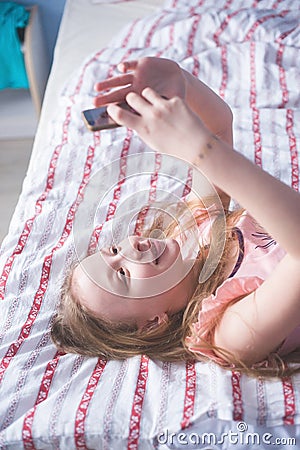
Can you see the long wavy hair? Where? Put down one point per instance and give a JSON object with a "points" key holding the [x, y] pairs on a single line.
{"points": [[78, 330]]}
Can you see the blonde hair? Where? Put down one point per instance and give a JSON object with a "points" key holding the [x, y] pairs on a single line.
{"points": [[78, 330]]}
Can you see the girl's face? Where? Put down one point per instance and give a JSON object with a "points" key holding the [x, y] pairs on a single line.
{"points": [[136, 281]]}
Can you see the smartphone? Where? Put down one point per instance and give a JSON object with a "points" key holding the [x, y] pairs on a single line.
{"points": [[98, 119]]}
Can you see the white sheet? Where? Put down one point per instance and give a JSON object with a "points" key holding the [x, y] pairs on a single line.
{"points": [[51, 401]]}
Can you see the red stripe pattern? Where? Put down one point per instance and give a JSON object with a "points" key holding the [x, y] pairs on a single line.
{"points": [[214, 44], [81, 413], [238, 410], [260, 21], [49, 184], [191, 39], [289, 401], [137, 406], [46, 268], [293, 149], [117, 193], [42, 396], [190, 395], [223, 26], [152, 196], [282, 76]]}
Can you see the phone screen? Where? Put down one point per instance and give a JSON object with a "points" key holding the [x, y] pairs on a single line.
{"points": [[98, 118]]}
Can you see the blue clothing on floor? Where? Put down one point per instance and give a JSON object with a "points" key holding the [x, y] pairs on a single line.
{"points": [[12, 67]]}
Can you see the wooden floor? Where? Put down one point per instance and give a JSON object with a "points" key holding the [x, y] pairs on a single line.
{"points": [[14, 158]]}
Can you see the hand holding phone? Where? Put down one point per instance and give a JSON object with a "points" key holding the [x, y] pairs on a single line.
{"points": [[98, 119], [163, 75]]}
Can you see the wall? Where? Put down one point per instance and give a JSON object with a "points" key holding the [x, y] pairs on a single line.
{"points": [[50, 13]]}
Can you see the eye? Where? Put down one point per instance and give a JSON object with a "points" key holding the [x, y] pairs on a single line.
{"points": [[123, 275], [114, 250], [122, 272]]}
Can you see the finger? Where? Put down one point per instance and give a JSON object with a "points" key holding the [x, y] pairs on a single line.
{"points": [[127, 65], [112, 97], [152, 97], [122, 116], [138, 103], [121, 80]]}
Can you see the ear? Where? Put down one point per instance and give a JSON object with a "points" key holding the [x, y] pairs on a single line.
{"points": [[151, 324]]}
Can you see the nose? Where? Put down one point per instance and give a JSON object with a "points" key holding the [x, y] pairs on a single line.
{"points": [[142, 249], [143, 245]]}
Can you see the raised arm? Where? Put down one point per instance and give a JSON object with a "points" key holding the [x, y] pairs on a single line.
{"points": [[213, 111], [256, 325], [168, 79], [215, 114]]}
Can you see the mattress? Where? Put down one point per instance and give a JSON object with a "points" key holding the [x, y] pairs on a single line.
{"points": [[247, 52]]}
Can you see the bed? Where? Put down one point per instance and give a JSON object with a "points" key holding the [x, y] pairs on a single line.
{"points": [[248, 52]]}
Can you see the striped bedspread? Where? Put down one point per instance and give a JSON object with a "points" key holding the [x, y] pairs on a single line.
{"points": [[248, 52]]}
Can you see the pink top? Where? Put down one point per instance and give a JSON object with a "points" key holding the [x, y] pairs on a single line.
{"points": [[259, 254]]}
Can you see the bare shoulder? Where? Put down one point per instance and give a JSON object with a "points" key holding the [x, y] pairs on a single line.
{"points": [[256, 325]]}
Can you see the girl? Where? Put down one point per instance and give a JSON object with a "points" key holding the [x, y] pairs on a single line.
{"points": [[246, 315]]}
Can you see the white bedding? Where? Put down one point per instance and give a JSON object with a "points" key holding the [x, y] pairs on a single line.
{"points": [[249, 53]]}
